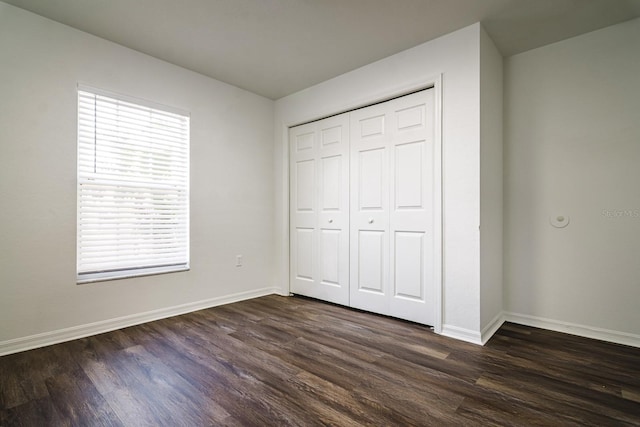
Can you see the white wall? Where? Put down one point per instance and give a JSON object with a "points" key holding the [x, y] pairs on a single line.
{"points": [[572, 147], [456, 57], [231, 182], [491, 202]]}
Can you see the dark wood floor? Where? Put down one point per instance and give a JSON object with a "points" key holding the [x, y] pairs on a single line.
{"points": [[292, 361]]}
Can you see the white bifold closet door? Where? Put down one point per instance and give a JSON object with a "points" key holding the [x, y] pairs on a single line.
{"points": [[364, 208], [393, 201], [319, 209]]}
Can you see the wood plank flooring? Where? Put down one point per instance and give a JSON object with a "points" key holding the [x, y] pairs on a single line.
{"points": [[276, 361]]}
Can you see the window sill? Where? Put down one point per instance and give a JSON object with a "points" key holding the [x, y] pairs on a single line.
{"points": [[127, 274]]}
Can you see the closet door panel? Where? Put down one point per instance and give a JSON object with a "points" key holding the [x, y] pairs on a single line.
{"points": [[392, 202], [371, 261], [303, 207], [411, 219], [319, 214], [331, 183], [408, 174], [370, 209], [409, 265], [304, 254], [304, 174], [333, 214], [330, 253]]}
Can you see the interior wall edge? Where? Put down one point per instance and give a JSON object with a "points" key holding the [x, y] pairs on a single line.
{"points": [[474, 337], [585, 331], [30, 342], [492, 327], [462, 334]]}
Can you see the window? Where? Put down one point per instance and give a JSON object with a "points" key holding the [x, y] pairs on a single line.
{"points": [[133, 187]]}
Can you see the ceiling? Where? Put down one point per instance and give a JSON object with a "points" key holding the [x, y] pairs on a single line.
{"points": [[278, 47]]}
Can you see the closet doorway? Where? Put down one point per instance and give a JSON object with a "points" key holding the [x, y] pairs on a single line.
{"points": [[365, 208]]}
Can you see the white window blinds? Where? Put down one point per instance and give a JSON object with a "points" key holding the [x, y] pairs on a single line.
{"points": [[133, 188]]}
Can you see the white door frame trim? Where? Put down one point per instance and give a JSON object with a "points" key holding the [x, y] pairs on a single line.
{"points": [[434, 82]]}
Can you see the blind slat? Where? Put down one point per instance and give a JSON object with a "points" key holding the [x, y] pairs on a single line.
{"points": [[103, 137]]}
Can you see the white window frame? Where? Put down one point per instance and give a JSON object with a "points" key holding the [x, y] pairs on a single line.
{"points": [[133, 201]]}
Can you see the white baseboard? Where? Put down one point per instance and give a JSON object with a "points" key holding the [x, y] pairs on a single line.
{"points": [[462, 334], [493, 326], [54, 337], [280, 292], [575, 329], [474, 337], [61, 335]]}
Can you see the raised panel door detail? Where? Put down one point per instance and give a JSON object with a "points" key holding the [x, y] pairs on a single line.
{"points": [[409, 175], [413, 219], [304, 142], [371, 179], [411, 117], [331, 136], [372, 126], [319, 209], [304, 253], [305, 185], [331, 183], [330, 257], [395, 171], [370, 261], [409, 265]]}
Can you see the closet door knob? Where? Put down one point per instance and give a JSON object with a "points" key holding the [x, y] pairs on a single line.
{"points": [[330, 221], [370, 220]]}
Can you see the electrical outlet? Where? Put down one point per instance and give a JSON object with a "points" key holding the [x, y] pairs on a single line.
{"points": [[238, 260]]}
